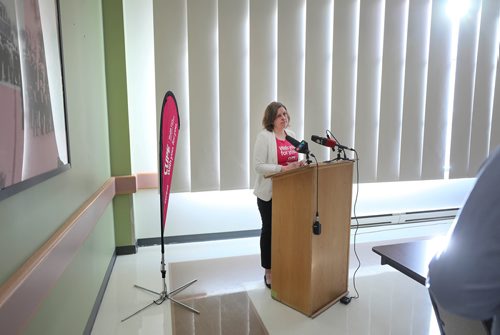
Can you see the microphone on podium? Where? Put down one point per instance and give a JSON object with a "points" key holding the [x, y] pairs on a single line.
{"points": [[301, 147], [329, 142]]}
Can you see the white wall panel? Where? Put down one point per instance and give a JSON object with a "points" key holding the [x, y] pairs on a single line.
{"points": [[371, 32], [391, 104], [263, 65], [485, 86], [495, 118], [318, 73], [203, 94], [291, 60], [233, 94], [171, 74], [417, 56], [436, 104], [344, 70], [141, 100], [464, 92]]}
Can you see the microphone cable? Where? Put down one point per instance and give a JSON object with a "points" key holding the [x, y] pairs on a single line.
{"points": [[357, 226], [329, 133], [316, 224], [356, 161]]}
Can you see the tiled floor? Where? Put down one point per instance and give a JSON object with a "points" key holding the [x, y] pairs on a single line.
{"points": [[229, 271]]}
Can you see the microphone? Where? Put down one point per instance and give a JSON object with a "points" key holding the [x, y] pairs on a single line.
{"points": [[328, 142], [301, 147], [292, 141]]}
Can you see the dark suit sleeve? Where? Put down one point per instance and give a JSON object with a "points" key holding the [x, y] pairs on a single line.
{"points": [[465, 277]]}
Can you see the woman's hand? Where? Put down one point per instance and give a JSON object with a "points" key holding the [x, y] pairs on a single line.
{"points": [[292, 165]]}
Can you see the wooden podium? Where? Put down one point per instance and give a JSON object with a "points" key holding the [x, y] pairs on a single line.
{"points": [[310, 272]]}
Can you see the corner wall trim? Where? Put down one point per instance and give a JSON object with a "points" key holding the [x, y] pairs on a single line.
{"points": [[100, 296], [125, 185]]}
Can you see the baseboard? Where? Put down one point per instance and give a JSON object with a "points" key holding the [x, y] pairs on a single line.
{"points": [[100, 296], [364, 222], [146, 242], [405, 217], [126, 250]]}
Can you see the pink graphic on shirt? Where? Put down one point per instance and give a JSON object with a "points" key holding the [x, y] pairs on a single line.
{"points": [[286, 152]]}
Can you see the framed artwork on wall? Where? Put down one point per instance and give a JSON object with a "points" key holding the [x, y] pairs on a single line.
{"points": [[33, 129]]}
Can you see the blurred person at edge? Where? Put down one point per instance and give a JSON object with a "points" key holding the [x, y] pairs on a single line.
{"points": [[464, 278]]}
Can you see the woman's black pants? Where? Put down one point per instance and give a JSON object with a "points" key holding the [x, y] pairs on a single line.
{"points": [[265, 209]]}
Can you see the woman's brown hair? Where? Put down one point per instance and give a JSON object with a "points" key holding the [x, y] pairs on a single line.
{"points": [[270, 115]]}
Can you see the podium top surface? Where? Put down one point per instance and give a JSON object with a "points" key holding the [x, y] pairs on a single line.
{"points": [[310, 166]]}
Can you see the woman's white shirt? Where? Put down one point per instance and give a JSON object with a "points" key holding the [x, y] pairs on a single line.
{"points": [[265, 162]]}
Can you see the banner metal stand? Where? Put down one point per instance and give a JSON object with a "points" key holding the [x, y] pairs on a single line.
{"points": [[164, 295], [169, 131]]}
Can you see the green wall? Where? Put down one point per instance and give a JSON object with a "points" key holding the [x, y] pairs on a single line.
{"points": [[116, 84], [66, 310], [29, 218]]}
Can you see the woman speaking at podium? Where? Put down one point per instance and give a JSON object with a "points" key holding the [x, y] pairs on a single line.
{"points": [[272, 154]]}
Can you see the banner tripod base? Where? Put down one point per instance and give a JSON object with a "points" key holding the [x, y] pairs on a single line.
{"points": [[164, 295]]}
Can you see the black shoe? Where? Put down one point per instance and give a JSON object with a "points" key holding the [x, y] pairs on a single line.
{"points": [[265, 282]]}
